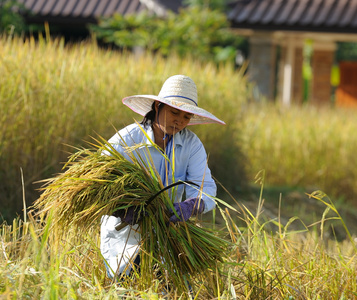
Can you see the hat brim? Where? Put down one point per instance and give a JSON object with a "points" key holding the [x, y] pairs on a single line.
{"points": [[142, 104]]}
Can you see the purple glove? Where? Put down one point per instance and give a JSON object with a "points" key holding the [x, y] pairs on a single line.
{"points": [[131, 215], [186, 209]]}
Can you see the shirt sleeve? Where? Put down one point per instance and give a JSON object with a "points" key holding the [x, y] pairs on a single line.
{"points": [[127, 136], [199, 173]]}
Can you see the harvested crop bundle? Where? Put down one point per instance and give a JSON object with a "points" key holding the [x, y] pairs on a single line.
{"points": [[95, 185]]}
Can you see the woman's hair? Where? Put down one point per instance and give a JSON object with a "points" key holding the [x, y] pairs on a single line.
{"points": [[150, 116]]}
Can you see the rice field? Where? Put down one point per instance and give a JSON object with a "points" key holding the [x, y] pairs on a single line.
{"points": [[310, 147], [54, 96], [260, 264]]}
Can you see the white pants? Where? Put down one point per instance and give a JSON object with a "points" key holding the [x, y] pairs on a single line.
{"points": [[118, 248]]}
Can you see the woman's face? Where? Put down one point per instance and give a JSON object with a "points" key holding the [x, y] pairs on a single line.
{"points": [[171, 120]]}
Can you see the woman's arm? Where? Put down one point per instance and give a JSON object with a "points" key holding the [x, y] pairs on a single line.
{"points": [[199, 172]]}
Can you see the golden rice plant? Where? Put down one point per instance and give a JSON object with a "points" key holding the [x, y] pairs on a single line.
{"points": [[95, 184]]}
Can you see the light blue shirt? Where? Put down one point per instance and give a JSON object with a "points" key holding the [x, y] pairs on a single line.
{"points": [[190, 160]]}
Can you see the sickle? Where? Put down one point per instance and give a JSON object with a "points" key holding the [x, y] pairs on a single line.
{"points": [[124, 224]]}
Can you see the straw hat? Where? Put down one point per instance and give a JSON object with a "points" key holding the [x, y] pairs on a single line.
{"points": [[178, 91]]}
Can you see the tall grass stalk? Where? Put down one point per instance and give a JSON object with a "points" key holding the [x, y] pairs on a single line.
{"points": [[322, 197]]}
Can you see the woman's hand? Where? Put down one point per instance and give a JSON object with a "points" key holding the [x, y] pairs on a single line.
{"points": [[186, 209], [131, 216]]}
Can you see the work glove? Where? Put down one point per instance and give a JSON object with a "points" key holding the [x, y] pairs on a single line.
{"points": [[186, 209], [131, 216]]}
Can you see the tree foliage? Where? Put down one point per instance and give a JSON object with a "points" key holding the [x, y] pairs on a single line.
{"points": [[212, 4], [10, 19], [346, 51], [198, 31]]}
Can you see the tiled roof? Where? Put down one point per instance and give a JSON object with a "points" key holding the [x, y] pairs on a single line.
{"points": [[304, 15], [301, 15], [90, 10]]}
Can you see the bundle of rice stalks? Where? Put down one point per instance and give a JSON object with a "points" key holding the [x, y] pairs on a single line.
{"points": [[95, 184]]}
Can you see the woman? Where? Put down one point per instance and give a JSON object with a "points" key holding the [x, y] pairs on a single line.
{"points": [[166, 117]]}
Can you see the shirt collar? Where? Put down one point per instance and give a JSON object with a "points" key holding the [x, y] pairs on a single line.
{"points": [[150, 134], [177, 138]]}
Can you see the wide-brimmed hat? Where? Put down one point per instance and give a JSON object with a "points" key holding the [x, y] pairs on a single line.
{"points": [[178, 91]]}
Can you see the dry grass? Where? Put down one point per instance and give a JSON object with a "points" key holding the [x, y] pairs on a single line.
{"points": [[305, 146], [263, 265]]}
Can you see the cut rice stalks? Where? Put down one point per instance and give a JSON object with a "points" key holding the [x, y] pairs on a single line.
{"points": [[95, 184]]}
